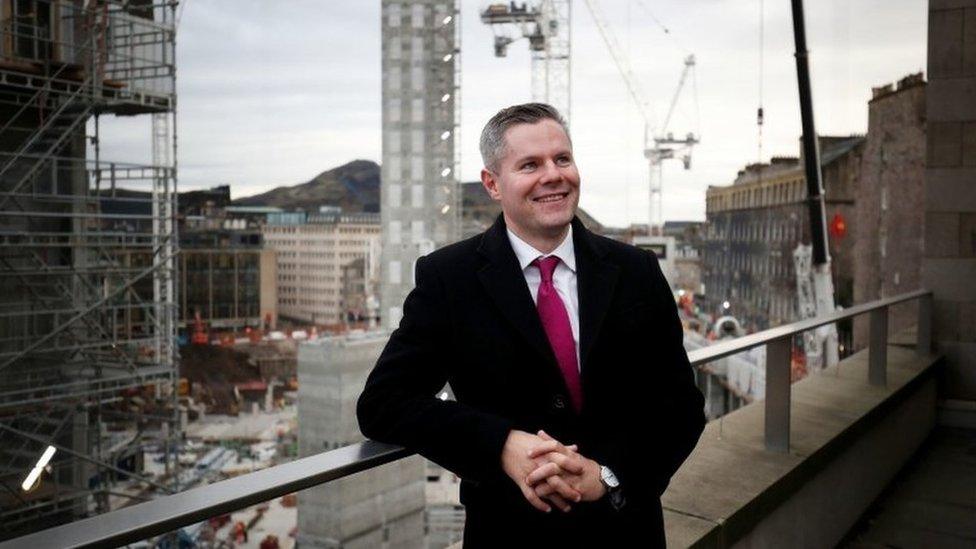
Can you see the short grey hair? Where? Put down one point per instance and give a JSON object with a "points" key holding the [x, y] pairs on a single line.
{"points": [[492, 142]]}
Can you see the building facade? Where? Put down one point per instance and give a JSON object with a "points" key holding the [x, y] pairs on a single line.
{"points": [[419, 191], [949, 261], [228, 277], [754, 225], [890, 236], [311, 251]]}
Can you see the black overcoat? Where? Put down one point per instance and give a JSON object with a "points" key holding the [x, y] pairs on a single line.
{"points": [[471, 321]]}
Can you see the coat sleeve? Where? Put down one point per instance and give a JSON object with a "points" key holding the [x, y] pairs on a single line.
{"points": [[399, 404], [645, 460]]}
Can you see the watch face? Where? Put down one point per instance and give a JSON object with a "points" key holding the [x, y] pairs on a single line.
{"points": [[608, 477]]}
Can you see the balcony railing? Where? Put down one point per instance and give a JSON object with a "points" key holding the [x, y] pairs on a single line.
{"points": [[159, 516]]}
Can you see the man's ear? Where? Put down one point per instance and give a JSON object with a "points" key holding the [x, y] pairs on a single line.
{"points": [[490, 184]]}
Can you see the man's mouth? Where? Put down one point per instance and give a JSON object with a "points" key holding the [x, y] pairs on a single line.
{"points": [[551, 197]]}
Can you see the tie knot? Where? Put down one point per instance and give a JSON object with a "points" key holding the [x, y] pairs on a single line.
{"points": [[546, 266]]}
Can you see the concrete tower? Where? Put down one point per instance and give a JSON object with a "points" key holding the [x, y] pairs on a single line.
{"points": [[419, 193]]}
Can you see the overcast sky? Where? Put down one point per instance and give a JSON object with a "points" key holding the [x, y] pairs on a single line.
{"points": [[273, 93]]}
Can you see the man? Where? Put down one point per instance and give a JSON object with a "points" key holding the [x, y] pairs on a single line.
{"points": [[575, 402]]}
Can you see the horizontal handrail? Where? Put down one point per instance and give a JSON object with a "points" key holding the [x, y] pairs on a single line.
{"points": [[152, 518], [168, 513], [733, 346]]}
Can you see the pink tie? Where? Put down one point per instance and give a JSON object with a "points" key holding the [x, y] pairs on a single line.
{"points": [[555, 321]]}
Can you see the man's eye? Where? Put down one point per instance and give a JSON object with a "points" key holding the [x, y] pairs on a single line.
{"points": [[528, 165], [563, 160]]}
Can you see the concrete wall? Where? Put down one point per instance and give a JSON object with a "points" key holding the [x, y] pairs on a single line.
{"points": [[949, 263], [381, 507], [848, 439], [828, 505]]}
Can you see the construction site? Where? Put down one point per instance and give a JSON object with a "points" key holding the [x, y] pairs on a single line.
{"points": [[88, 363], [153, 341]]}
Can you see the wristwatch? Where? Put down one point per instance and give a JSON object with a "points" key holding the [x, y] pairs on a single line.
{"points": [[614, 493]]}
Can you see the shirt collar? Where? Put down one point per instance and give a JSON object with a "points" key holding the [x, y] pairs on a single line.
{"points": [[526, 253]]}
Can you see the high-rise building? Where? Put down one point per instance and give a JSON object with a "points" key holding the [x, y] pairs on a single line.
{"points": [[420, 198]]}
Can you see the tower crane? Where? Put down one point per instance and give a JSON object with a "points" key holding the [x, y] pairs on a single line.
{"points": [[546, 25], [659, 145]]}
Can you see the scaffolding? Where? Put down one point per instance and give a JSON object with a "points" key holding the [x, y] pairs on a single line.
{"points": [[88, 361]]}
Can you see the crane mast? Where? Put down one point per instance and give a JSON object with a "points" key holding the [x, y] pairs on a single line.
{"points": [[546, 25]]}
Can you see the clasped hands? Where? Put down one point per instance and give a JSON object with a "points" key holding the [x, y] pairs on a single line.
{"points": [[549, 472]]}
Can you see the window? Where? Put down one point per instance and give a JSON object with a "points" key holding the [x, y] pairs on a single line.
{"points": [[394, 272], [394, 15], [417, 168], [393, 195], [417, 141], [393, 108], [393, 141], [396, 48], [417, 48], [417, 196], [417, 16], [395, 231], [417, 112], [417, 78], [416, 230], [394, 170], [394, 83]]}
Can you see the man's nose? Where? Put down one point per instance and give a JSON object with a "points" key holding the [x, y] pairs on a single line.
{"points": [[550, 172]]}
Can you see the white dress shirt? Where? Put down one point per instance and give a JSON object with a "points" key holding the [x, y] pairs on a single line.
{"points": [[563, 278]]}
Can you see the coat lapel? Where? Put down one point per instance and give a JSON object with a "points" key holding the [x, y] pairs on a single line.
{"points": [[595, 281], [503, 280]]}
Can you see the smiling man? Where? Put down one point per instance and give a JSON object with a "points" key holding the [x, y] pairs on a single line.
{"points": [[575, 401]]}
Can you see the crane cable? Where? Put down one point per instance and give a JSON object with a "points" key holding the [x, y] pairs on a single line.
{"points": [[759, 112]]}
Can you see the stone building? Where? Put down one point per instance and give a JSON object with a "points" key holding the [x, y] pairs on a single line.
{"points": [[949, 261], [311, 250], [889, 235], [754, 225]]}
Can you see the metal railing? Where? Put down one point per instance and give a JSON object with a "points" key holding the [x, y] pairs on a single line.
{"points": [[157, 517]]}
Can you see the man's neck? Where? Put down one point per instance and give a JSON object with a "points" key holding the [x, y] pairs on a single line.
{"points": [[545, 243]]}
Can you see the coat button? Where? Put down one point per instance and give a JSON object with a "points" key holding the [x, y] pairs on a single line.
{"points": [[558, 402]]}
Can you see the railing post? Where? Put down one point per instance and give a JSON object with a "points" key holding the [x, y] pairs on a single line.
{"points": [[878, 347], [778, 355], [923, 343]]}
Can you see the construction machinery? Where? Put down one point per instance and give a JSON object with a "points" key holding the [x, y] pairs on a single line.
{"points": [[546, 24], [660, 144]]}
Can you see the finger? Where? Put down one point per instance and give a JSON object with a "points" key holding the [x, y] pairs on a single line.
{"points": [[544, 448], [572, 463], [569, 464], [533, 499], [548, 493], [573, 447], [559, 502], [563, 489], [544, 435], [542, 472]]}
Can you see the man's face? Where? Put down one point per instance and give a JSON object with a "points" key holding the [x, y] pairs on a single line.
{"points": [[536, 181]]}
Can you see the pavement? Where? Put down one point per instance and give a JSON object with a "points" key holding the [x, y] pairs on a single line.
{"points": [[932, 502]]}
